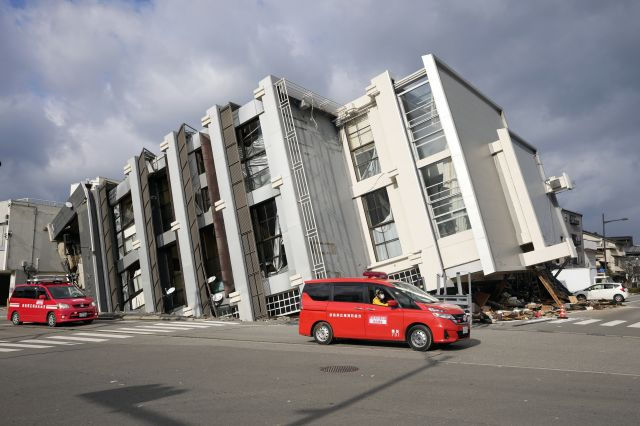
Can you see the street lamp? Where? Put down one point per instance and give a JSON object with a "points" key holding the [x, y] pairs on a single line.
{"points": [[604, 238]]}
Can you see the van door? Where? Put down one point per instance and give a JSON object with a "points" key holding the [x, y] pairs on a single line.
{"points": [[346, 311], [596, 292], [383, 322], [27, 304], [40, 309]]}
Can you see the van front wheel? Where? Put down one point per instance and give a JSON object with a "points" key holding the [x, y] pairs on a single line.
{"points": [[420, 338], [322, 333]]}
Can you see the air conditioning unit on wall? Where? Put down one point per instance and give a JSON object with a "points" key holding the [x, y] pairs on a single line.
{"points": [[557, 184]]}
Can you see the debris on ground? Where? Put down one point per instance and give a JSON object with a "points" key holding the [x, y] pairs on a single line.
{"points": [[527, 296]]}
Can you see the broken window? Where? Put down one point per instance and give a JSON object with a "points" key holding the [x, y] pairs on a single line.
{"points": [[422, 119], [444, 198], [382, 227], [363, 148], [268, 237], [253, 156], [131, 288], [124, 225]]}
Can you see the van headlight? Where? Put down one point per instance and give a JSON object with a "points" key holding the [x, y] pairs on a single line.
{"points": [[441, 314], [93, 303], [63, 306]]}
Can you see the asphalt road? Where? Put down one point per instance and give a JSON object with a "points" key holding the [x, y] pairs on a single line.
{"points": [[257, 373]]}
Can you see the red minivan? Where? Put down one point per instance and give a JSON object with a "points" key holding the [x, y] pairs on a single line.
{"points": [[375, 308], [51, 303]]}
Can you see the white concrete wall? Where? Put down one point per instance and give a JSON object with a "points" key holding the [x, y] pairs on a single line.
{"points": [[476, 122], [403, 183]]}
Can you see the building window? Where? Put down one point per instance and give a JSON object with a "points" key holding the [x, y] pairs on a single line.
{"points": [[410, 276], [268, 237], [285, 303], [362, 147], [203, 202], [253, 156], [197, 155], [131, 288], [124, 226], [444, 198], [422, 119], [382, 227]]}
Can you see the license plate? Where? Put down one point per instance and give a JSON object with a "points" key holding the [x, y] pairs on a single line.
{"points": [[82, 314], [465, 330]]}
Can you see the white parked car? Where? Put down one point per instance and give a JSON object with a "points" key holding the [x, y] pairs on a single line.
{"points": [[603, 291]]}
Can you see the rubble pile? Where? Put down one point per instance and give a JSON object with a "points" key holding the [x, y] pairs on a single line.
{"points": [[513, 299]]}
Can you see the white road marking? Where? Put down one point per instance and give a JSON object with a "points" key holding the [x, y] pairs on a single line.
{"points": [[156, 328], [50, 342], [591, 321], [218, 322], [115, 336], [560, 321], [9, 350], [23, 346], [636, 325], [612, 323], [185, 326], [79, 339], [126, 331]]}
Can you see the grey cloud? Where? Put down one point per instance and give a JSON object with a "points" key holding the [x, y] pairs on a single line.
{"points": [[127, 73]]}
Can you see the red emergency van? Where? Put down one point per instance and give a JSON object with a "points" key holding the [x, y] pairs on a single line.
{"points": [[375, 308], [51, 303]]}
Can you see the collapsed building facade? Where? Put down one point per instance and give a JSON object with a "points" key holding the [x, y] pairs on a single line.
{"points": [[420, 178]]}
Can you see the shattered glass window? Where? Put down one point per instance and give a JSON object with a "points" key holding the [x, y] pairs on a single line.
{"points": [[253, 156], [268, 235], [382, 227], [363, 148]]}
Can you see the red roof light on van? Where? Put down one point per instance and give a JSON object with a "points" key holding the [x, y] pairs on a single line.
{"points": [[375, 274]]}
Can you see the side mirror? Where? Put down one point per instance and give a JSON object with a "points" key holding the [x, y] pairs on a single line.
{"points": [[392, 303], [42, 297]]}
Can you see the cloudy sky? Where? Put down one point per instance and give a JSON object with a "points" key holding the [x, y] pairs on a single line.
{"points": [[86, 84]]}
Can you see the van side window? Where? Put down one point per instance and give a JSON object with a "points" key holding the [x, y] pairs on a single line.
{"points": [[29, 293], [319, 292], [608, 286], [374, 288], [18, 293], [40, 291], [353, 293]]}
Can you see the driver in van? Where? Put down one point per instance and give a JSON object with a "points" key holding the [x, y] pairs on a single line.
{"points": [[380, 299]]}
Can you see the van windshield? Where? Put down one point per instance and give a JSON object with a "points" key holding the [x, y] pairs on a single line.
{"points": [[414, 292], [65, 292]]}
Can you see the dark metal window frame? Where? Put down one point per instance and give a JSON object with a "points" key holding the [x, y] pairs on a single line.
{"points": [[262, 219], [251, 179], [356, 146], [371, 205]]}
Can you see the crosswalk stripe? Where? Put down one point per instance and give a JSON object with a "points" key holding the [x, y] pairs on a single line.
{"points": [[79, 339], [636, 325], [141, 331], [156, 328], [163, 327], [612, 323], [50, 342], [9, 350], [559, 321], [115, 336], [183, 326], [23, 346], [590, 321], [124, 331], [217, 322], [147, 329]]}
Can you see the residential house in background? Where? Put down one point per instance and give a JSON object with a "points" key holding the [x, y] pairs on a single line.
{"points": [[24, 243]]}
